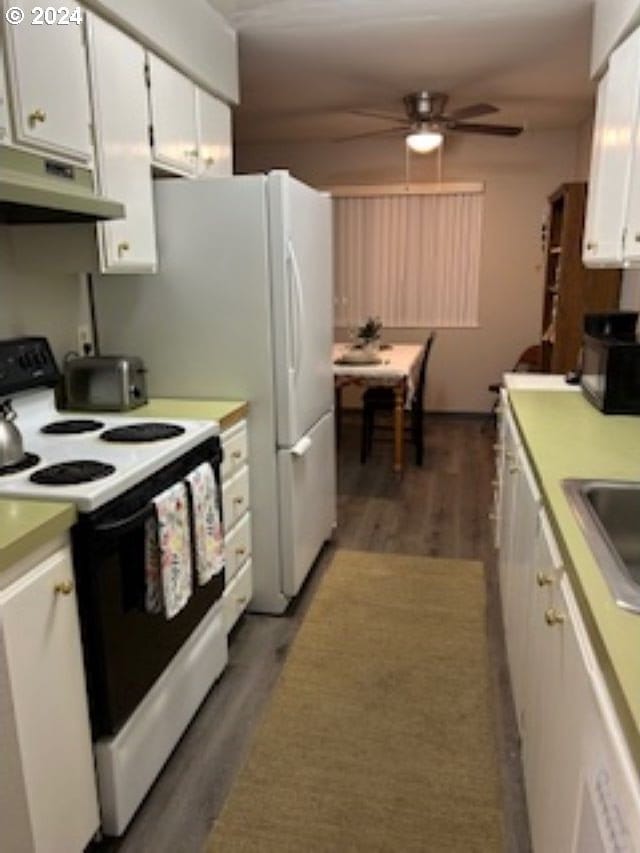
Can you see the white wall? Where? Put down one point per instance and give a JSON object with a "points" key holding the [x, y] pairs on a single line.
{"points": [[39, 303], [519, 175], [612, 20]]}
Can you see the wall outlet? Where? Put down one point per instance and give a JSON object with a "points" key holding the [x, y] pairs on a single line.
{"points": [[85, 340]]}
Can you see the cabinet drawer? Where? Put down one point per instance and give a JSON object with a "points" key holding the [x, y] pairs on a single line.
{"points": [[237, 547], [235, 497], [235, 452], [237, 596]]}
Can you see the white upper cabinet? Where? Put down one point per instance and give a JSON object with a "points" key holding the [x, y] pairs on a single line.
{"points": [[5, 134], [215, 153], [611, 163], [173, 115], [49, 86], [123, 154]]}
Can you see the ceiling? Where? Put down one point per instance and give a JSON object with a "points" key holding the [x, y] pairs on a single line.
{"points": [[304, 62]]}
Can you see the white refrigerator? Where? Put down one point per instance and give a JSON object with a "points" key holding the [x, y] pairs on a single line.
{"points": [[242, 307]]}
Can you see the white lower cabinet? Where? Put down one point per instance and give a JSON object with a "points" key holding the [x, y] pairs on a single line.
{"points": [[237, 523], [48, 800], [582, 788]]}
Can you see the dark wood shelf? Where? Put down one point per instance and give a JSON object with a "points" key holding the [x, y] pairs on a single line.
{"points": [[570, 289]]}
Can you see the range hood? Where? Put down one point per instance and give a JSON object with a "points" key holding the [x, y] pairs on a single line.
{"points": [[36, 188]]}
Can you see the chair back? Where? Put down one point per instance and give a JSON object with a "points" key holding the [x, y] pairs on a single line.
{"points": [[418, 398]]}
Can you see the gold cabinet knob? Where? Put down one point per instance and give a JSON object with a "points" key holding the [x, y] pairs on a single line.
{"points": [[63, 588], [543, 580], [591, 246], [242, 600], [241, 551], [237, 454], [637, 237], [239, 500], [210, 161], [123, 247], [553, 617], [37, 116]]}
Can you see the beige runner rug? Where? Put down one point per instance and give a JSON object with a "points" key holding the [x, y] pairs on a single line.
{"points": [[378, 736]]}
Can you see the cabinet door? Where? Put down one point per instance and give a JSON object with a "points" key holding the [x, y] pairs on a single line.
{"points": [[508, 487], [522, 567], [215, 152], [45, 675], [5, 134], [616, 113], [49, 86], [173, 115], [123, 155], [555, 687], [632, 229]]}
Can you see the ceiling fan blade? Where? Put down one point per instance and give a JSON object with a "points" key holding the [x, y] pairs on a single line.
{"points": [[373, 133], [490, 129], [375, 114], [472, 111]]}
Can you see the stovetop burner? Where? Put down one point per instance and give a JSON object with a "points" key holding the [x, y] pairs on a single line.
{"points": [[71, 473], [72, 427], [142, 432], [27, 461]]}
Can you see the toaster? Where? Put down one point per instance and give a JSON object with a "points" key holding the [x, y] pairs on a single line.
{"points": [[105, 383]]}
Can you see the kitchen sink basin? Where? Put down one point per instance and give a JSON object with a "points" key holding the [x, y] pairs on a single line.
{"points": [[609, 514]]}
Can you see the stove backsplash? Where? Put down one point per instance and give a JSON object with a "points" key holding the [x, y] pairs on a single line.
{"points": [[39, 303]]}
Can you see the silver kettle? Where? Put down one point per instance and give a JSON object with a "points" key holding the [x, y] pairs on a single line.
{"points": [[11, 449]]}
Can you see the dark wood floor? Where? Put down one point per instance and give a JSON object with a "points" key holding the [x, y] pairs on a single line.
{"points": [[440, 509]]}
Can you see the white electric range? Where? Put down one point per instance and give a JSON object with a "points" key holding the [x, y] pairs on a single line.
{"points": [[146, 674]]}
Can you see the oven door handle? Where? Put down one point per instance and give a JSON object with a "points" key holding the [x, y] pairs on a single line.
{"points": [[124, 525]]}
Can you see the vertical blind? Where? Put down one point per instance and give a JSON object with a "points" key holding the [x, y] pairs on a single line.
{"points": [[412, 260]]}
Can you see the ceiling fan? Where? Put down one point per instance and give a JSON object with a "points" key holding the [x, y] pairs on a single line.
{"points": [[426, 121]]}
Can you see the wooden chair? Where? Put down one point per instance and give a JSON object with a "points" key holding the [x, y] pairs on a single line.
{"points": [[381, 398]]}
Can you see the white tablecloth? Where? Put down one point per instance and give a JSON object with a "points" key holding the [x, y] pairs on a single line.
{"points": [[398, 362]]}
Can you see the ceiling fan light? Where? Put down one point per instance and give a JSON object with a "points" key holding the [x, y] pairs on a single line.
{"points": [[424, 141]]}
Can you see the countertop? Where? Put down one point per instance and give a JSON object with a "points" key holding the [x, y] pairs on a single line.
{"points": [[226, 412], [26, 525], [567, 437]]}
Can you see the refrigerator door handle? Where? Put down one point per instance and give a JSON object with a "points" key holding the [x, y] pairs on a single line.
{"points": [[298, 313]]}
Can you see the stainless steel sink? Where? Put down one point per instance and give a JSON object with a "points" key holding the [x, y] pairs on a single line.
{"points": [[609, 514]]}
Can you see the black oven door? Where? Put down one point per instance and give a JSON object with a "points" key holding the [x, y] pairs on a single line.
{"points": [[126, 648]]}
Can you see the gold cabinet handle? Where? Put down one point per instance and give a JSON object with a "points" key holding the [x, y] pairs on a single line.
{"points": [[237, 454], [210, 161], [63, 588], [591, 246], [637, 237], [239, 500], [37, 116], [553, 617], [513, 469], [123, 247], [241, 551], [543, 580]]}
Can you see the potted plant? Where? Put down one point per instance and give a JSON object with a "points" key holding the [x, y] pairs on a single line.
{"points": [[369, 333]]}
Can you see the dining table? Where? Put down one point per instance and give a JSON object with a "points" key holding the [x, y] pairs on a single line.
{"points": [[392, 365]]}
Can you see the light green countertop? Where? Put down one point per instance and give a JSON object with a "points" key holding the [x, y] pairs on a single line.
{"points": [[26, 525], [567, 437], [226, 412]]}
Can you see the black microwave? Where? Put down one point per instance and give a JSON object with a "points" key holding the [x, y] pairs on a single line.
{"points": [[611, 374]]}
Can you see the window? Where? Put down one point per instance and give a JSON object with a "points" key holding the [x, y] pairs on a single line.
{"points": [[411, 258]]}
